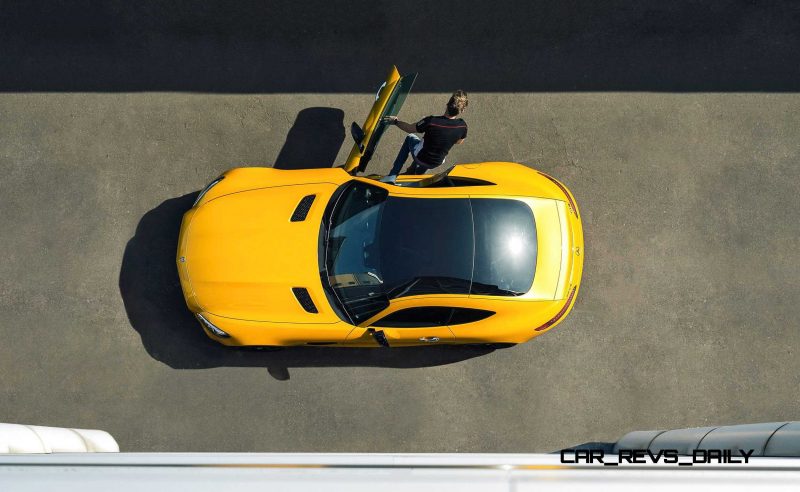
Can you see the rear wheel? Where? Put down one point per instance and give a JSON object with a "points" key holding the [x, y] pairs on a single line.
{"points": [[493, 346]]}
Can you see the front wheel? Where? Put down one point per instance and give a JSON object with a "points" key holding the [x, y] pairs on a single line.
{"points": [[261, 348]]}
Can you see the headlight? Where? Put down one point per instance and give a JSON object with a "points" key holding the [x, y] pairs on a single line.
{"points": [[210, 326], [205, 190]]}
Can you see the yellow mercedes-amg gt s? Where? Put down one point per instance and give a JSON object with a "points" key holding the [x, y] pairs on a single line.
{"points": [[481, 253]]}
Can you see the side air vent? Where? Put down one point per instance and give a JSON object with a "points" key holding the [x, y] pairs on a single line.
{"points": [[302, 295], [302, 209]]}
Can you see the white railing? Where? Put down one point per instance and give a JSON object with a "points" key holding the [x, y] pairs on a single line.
{"points": [[19, 439]]}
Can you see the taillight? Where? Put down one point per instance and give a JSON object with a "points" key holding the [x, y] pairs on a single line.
{"points": [[563, 189], [560, 313]]}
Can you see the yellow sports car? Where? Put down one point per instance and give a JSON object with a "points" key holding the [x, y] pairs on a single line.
{"points": [[486, 253]]}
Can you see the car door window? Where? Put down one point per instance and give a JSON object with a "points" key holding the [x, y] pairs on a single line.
{"points": [[392, 108], [461, 316], [388, 101], [418, 317]]}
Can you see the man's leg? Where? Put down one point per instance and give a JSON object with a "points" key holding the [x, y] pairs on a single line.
{"points": [[408, 146], [415, 168]]}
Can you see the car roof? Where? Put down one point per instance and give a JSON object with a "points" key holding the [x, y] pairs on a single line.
{"points": [[456, 246]]}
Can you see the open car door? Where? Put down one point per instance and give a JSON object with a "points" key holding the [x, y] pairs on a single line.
{"points": [[388, 101]]}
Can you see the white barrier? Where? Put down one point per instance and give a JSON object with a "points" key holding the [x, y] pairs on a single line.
{"points": [[18, 439], [300, 472]]}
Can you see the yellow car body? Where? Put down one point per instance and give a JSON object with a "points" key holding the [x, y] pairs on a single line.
{"points": [[254, 258]]}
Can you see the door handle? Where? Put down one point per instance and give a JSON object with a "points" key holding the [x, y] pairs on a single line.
{"points": [[429, 339]]}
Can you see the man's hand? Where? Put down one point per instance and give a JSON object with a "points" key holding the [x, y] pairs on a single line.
{"points": [[406, 127]]}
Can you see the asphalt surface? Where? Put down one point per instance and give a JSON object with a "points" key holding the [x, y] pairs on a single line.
{"points": [[687, 314], [286, 46]]}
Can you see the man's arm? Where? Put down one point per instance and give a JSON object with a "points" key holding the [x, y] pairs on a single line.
{"points": [[463, 135], [406, 127]]}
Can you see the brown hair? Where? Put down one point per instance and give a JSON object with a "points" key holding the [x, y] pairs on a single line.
{"points": [[458, 102]]}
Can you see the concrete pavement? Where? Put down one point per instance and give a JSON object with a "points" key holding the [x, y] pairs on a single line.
{"points": [[687, 315]]}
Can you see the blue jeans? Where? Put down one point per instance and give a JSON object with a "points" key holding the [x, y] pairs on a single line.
{"points": [[409, 143]]}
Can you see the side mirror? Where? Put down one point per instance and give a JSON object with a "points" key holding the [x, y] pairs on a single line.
{"points": [[358, 135], [379, 337]]}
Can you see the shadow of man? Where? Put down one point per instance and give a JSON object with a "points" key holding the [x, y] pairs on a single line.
{"points": [[314, 140]]}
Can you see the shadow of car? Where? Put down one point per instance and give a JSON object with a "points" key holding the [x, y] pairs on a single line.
{"points": [[155, 307]]}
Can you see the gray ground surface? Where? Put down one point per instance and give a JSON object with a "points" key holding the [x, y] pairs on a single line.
{"points": [[687, 315]]}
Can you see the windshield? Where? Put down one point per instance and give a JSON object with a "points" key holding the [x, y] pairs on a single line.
{"points": [[352, 250]]}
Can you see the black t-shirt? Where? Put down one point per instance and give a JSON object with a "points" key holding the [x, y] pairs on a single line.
{"points": [[441, 133]]}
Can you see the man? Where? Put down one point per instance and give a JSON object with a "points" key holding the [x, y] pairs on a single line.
{"points": [[440, 134]]}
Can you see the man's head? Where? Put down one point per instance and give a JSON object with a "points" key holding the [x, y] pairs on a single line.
{"points": [[457, 104]]}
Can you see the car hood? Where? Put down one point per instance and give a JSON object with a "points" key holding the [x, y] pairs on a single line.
{"points": [[243, 255]]}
